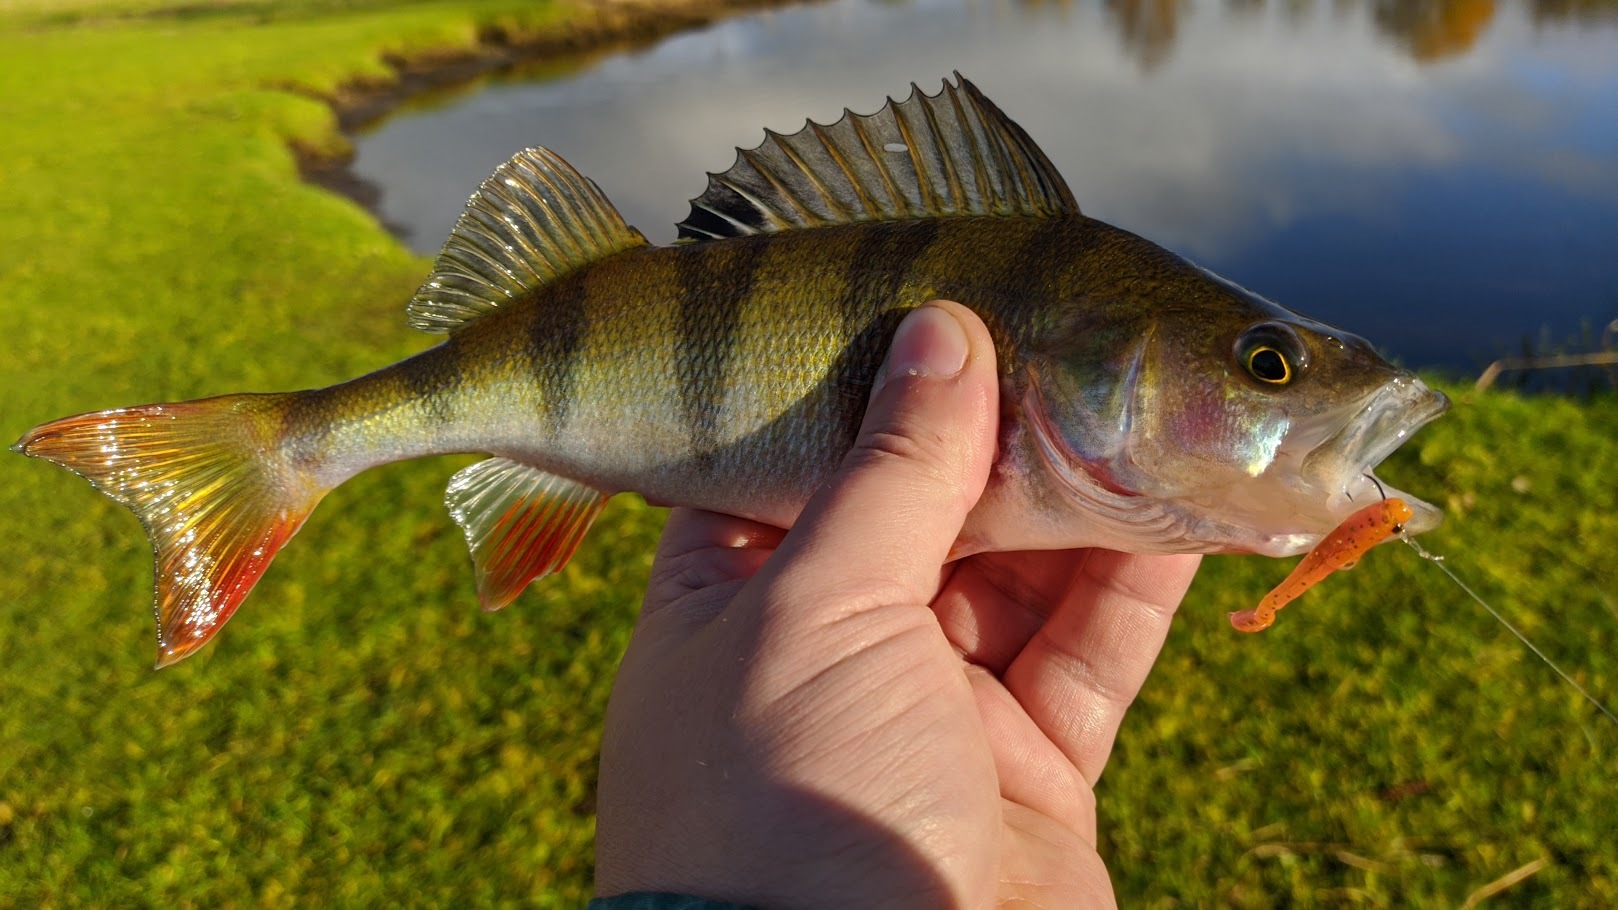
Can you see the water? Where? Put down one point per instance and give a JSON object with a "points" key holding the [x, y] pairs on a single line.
{"points": [[1441, 177]]}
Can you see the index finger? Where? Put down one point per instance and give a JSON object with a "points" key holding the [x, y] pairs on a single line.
{"points": [[703, 550], [1082, 670]]}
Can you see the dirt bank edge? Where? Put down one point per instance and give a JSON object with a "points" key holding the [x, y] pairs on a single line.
{"points": [[597, 25]]}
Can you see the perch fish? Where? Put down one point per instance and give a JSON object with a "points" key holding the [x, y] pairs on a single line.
{"points": [[1148, 405]]}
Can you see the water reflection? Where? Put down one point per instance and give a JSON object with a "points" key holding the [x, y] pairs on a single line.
{"points": [[1428, 29], [1147, 27], [1586, 10], [1434, 29], [1441, 177]]}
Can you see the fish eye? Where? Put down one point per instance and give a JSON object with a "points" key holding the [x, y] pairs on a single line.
{"points": [[1270, 353], [1268, 365]]}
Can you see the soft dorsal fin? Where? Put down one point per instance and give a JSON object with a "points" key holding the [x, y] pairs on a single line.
{"points": [[930, 156], [534, 220]]}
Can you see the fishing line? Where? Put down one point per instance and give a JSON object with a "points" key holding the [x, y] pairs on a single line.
{"points": [[1439, 562]]}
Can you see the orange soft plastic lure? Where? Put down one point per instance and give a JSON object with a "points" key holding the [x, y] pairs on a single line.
{"points": [[1338, 550]]}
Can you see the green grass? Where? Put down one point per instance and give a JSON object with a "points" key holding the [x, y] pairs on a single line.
{"points": [[1388, 743], [362, 734]]}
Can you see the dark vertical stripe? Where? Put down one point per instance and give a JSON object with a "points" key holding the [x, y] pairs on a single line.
{"points": [[430, 379], [1028, 285], [427, 380], [876, 272], [716, 279], [306, 423], [869, 310], [1032, 273], [555, 337]]}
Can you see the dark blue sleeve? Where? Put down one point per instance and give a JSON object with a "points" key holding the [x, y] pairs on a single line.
{"points": [[646, 900]]}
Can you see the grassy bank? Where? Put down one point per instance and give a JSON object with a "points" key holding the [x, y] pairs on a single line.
{"points": [[362, 734]]}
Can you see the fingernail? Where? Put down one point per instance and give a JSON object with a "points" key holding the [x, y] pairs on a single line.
{"points": [[929, 342]]}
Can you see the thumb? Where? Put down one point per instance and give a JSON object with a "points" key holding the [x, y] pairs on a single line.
{"points": [[879, 530]]}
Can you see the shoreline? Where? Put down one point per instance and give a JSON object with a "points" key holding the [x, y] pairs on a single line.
{"points": [[603, 26]]}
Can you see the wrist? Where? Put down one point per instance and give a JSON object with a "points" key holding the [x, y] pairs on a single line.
{"points": [[786, 850], [660, 900]]}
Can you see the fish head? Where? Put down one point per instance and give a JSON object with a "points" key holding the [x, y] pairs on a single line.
{"points": [[1220, 422]]}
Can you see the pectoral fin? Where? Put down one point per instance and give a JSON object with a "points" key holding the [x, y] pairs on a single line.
{"points": [[520, 522]]}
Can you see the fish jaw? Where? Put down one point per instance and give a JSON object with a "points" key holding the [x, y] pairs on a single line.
{"points": [[1345, 462], [1321, 473], [1324, 470]]}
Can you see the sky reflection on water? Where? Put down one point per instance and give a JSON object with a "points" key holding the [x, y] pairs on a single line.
{"points": [[1441, 176]]}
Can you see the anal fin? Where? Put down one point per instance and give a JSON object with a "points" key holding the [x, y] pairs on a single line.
{"points": [[521, 523]]}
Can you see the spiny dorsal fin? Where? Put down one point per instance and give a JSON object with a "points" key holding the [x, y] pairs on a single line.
{"points": [[534, 220], [930, 156]]}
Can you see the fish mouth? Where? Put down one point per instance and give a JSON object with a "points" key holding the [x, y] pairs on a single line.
{"points": [[1344, 463], [1322, 472]]}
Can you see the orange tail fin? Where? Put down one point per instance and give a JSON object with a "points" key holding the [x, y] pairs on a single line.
{"points": [[208, 481]]}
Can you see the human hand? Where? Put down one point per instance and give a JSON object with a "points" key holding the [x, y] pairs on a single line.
{"points": [[792, 726]]}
